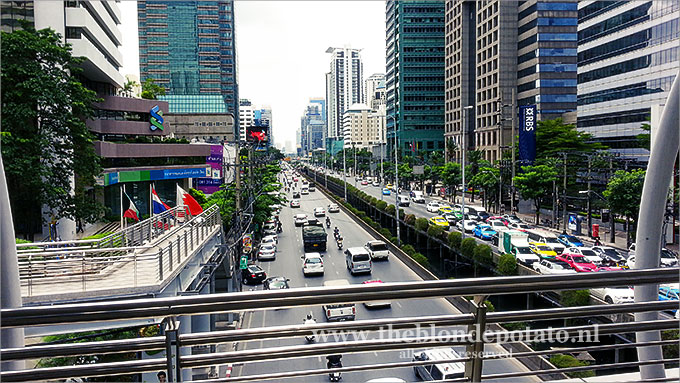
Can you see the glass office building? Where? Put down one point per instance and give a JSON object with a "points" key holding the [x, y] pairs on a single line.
{"points": [[189, 48]]}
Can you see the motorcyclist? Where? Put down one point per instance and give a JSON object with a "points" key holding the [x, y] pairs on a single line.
{"points": [[334, 361], [307, 321], [328, 221], [336, 232]]}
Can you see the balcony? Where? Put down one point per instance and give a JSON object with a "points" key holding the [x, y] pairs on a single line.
{"points": [[111, 150]]}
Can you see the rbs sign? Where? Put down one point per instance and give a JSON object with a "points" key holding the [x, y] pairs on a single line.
{"points": [[527, 134]]}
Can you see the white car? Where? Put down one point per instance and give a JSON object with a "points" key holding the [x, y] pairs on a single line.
{"points": [[519, 226], [668, 258], [616, 295], [333, 208], [433, 207], [587, 252], [267, 252], [469, 225], [418, 196], [269, 240], [376, 183], [319, 212], [312, 264], [497, 224], [377, 249], [300, 219], [553, 267]]}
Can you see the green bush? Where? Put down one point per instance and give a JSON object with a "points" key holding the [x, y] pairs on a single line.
{"points": [[386, 232], [455, 238], [395, 241], [482, 255], [402, 214], [381, 205], [374, 201], [421, 259], [408, 249], [565, 361], [514, 326], [368, 220], [489, 306], [361, 214], [507, 264], [422, 224], [375, 225], [571, 298], [467, 247], [670, 351], [410, 219], [389, 209], [435, 231]]}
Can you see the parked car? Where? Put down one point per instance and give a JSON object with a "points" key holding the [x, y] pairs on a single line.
{"points": [[333, 208], [377, 250], [608, 253], [668, 257], [295, 203], [253, 274], [269, 240], [276, 283], [614, 295], [300, 219], [484, 231], [266, 252], [432, 207], [319, 212], [312, 264], [440, 221], [578, 262], [546, 266], [542, 250], [569, 240], [511, 218], [469, 225], [587, 252], [375, 304]]}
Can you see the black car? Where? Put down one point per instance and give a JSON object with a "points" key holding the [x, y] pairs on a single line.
{"points": [[296, 194], [253, 275], [276, 283], [483, 215]]}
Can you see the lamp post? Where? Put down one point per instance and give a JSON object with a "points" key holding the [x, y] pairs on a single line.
{"points": [[463, 149], [344, 170], [611, 215]]}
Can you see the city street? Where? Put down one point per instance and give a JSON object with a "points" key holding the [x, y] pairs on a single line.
{"points": [[288, 264]]}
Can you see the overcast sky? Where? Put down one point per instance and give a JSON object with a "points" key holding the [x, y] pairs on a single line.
{"points": [[281, 49]]}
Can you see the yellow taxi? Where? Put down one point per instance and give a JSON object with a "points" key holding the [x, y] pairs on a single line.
{"points": [[439, 221], [445, 210], [389, 186], [542, 250]]}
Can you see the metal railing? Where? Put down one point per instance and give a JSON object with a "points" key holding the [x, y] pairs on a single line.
{"points": [[157, 248], [480, 327]]}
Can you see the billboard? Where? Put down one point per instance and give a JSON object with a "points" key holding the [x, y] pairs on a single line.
{"points": [[527, 134], [257, 134]]}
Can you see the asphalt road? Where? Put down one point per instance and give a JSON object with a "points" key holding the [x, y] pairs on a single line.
{"points": [[288, 264]]}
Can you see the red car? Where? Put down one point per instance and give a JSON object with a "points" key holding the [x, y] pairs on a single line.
{"points": [[498, 218], [578, 262]]}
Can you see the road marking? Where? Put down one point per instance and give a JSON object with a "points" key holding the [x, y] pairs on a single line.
{"points": [[398, 304], [336, 272], [306, 285]]}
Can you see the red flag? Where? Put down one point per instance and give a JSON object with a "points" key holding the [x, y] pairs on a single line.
{"points": [[189, 201], [131, 211]]}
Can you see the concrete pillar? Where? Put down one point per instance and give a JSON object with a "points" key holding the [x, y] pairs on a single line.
{"points": [[185, 328]]}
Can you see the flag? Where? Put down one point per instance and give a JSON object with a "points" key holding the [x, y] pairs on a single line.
{"points": [[131, 211], [189, 201], [158, 205]]}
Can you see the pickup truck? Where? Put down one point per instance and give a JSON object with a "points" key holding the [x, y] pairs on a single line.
{"points": [[339, 311], [314, 236]]}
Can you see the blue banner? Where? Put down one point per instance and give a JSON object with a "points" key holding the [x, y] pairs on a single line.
{"points": [[527, 134]]}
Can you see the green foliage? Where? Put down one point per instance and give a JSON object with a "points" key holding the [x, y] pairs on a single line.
{"points": [[435, 231], [410, 219], [422, 224], [45, 143], [486, 178], [386, 232], [554, 137], [507, 264], [535, 183], [151, 90], [390, 209], [381, 205], [421, 259], [98, 236], [450, 174], [468, 246], [624, 192], [571, 298], [128, 88], [515, 326], [199, 196], [489, 306], [455, 239], [482, 255], [565, 361], [670, 351], [644, 140], [408, 249]]}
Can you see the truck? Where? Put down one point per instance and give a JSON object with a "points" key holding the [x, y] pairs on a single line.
{"points": [[339, 311], [314, 236], [515, 242]]}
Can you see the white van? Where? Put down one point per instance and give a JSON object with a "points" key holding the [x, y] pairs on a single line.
{"points": [[438, 371], [404, 200], [358, 260], [339, 311], [417, 196], [377, 249]]}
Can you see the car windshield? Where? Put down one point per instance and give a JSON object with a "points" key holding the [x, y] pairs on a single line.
{"points": [[313, 260], [543, 248], [667, 254], [523, 250], [588, 252], [267, 247], [579, 259], [560, 265], [571, 238], [360, 257], [440, 220], [523, 226], [379, 247], [552, 240], [254, 269], [277, 285], [612, 253]]}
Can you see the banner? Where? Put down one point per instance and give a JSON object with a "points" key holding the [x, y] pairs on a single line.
{"points": [[527, 134]]}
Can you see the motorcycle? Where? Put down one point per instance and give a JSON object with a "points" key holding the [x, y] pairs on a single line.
{"points": [[334, 362], [309, 320], [338, 241], [328, 223]]}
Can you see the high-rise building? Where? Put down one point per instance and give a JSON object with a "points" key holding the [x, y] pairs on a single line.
{"points": [[344, 86], [627, 61], [374, 91], [246, 110], [363, 127], [313, 125], [188, 47], [415, 74]]}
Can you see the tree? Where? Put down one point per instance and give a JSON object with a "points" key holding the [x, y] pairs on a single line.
{"points": [[128, 88], [451, 149], [450, 175], [475, 157], [624, 192], [554, 137], [487, 179], [45, 142], [151, 90], [645, 139], [535, 183]]}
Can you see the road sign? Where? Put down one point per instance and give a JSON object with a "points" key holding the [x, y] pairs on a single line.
{"points": [[244, 262], [418, 169]]}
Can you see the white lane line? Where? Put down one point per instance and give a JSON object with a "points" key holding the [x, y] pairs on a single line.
{"points": [[398, 304], [375, 353], [306, 285], [336, 272]]}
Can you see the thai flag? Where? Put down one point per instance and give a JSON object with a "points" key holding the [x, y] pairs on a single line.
{"points": [[158, 205]]}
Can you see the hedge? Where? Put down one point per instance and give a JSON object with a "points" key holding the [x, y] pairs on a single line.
{"points": [[467, 247], [389, 209], [507, 264], [455, 238], [482, 255], [571, 298], [381, 205], [565, 361], [408, 249], [386, 233], [422, 224], [410, 219], [435, 231], [421, 259]]}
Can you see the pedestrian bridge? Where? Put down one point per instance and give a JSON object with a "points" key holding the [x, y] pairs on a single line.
{"points": [[140, 260]]}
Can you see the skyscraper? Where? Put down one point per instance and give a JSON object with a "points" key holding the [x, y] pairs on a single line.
{"points": [[344, 86], [415, 74], [188, 47], [374, 91], [313, 125]]}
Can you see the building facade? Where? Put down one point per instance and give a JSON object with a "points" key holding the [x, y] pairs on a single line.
{"points": [[374, 91], [415, 75], [344, 86], [313, 125], [246, 112], [188, 47], [627, 61], [363, 127]]}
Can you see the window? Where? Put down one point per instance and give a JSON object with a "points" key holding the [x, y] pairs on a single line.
{"points": [[632, 90], [557, 6], [557, 21], [557, 37], [556, 98], [557, 67], [658, 58], [561, 83], [556, 52]]}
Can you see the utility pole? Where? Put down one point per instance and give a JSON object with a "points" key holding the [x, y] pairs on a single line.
{"points": [[344, 169], [564, 199], [463, 149], [590, 213], [554, 205], [325, 169], [612, 221], [512, 180], [237, 190], [354, 149], [396, 178]]}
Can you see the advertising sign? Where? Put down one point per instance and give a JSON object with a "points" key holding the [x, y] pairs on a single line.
{"points": [[156, 118], [247, 243], [527, 134], [257, 134], [418, 169], [213, 179]]}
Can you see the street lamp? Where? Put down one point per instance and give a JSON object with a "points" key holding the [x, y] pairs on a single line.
{"points": [[464, 148], [344, 169]]}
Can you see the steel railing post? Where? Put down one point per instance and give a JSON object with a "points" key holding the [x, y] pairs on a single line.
{"points": [[170, 256], [82, 271], [186, 244], [134, 257], [179, 249], [160, 264], [171, 328], [475, 350]]}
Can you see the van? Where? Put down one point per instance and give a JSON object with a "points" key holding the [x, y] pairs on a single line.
{"points": [[548, 238], [339, 311], [438, 371], [417, 196], [377, 249], [404, 200], [358, 260]]}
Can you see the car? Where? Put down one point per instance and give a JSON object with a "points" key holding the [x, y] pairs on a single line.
{"points": [[386, 191], [304, 191], [312, 264], [453, 217], [587, 252], [511, 218], [669, 293], [269, 240], [438, 370], [440, 221], [608, 253], [496, 224], [267, 252], [269, 231], [483, 215], [319, 212], [312, 188], [403, 200], [497, 218], [300, 219], [473, 217], [296, 194], [390, 186], [469, 225], [614, 295], [276, 283], [444, 210], [295, 203], [542, 250], [484, 232], [253, 274], [569, 240], [578, 262], [375, 304], [333, 208], [519, 226], [364, 182], [375, 183], [377, 250], [525, 255], [668, 257], [358, 260], [546, 266], [432, 207], [417, 196]]}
